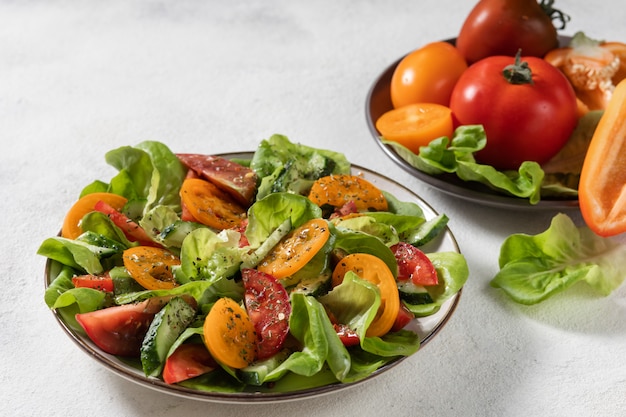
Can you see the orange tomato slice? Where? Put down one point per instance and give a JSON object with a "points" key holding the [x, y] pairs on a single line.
{"points": [[151, 267], [229, 334], [416, 125], [374, 270], [337, 190], [296, 249], [602, 186], [209, 205], [86, 204]]}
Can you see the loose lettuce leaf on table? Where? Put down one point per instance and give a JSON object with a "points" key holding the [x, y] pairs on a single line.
{"points": [[533, 268], [458, 158]]}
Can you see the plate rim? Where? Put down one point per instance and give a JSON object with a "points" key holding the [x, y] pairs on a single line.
{"points": [[129, 373], [439, 183]]}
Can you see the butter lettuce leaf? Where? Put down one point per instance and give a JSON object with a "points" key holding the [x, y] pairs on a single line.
{"points": [[283, 166], [457, 157], [533, 268]]}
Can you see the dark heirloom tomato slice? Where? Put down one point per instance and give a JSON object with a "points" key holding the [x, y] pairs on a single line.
{"points": [[237, 180], [189, 360], [413, 264], [267, 303]]}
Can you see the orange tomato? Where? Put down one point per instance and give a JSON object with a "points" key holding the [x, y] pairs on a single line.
{"points": [[416, 125], [297, 248], [151, 267], [427, 75], [337, 190], [374, 270], [86, 204], [210, 205], [229, 334]]}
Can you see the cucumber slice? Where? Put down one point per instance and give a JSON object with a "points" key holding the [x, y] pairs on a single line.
{"points": [[413, 294], [165, 328], [428, 230], [315, 286], [256, 373], [251, 260]]}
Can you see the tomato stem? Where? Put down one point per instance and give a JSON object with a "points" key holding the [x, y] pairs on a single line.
{"points": [[518, 72], [555, 14]]}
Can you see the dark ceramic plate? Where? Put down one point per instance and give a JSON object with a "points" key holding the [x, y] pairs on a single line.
{"points": [[379, 101]]}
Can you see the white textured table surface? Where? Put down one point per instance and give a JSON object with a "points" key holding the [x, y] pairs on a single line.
{"points": [[80, 78]]}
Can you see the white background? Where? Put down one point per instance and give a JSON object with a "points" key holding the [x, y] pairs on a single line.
{"points": [[80, 78]]}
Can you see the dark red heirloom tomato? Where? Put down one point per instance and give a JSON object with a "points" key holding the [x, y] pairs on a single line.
{"points": [[527, 107], [268, 306], [502, 27]]}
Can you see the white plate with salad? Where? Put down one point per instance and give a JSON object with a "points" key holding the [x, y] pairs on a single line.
{"points": [[318, 277]]}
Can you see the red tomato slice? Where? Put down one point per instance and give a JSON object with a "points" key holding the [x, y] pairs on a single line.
{"points": [[404, 317], [237, 180], [132, 230], [267, 303], [120, 330], [413, 264], [97, 282], [189, 360], [347, 336]]}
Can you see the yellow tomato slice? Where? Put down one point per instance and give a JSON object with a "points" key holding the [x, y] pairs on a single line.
{"points": [[71, 225], [229, 334], [416, 125], [211, 206], [337, 190], [374, 270], [151, 267], [296, 249]]}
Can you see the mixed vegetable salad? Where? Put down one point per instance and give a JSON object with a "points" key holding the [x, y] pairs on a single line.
{"points": [[281, 272]]}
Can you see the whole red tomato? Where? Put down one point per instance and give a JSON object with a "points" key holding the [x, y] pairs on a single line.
{"points": [[501, 27], [526, 106]]}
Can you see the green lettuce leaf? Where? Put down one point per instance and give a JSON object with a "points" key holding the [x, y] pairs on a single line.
{"points": [[458, 158], [452, 271], [283, 166], [533, 268], [267, 214], [206, 255]]}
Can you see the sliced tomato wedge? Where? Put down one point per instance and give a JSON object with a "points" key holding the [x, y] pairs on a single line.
{"points": [[347, 336], [132, 230], [413, 264], [189, 360], [268, 306], [235, 179], [102, 282], [151, 267], [120, 330], [404, 317]]}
